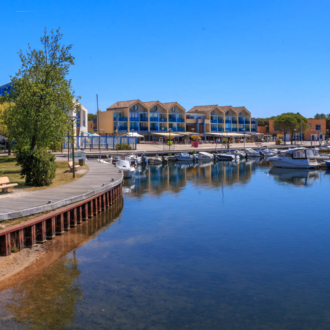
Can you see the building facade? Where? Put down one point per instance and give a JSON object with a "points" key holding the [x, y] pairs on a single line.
{"points": [[317, 130], [150, 119], [210, 119], [5, 88]]}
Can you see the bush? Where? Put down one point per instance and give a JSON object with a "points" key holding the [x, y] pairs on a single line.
{"points": [[123, 146], [38, 167], [55, 146]]}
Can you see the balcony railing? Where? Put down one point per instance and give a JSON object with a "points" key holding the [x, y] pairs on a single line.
{"points": [[234, 121], [247, 122], [154, 129], [214, 130], [122, 129], [163, 129], [180, 120], [122, 119], [214, 121], [171, 120], [220, 129], [173, 129], [152, 119], [163, 120], [180, 129], [234, 129], [144, 129], [228, 121], [134, 119], [143, 118], [220, 121]]}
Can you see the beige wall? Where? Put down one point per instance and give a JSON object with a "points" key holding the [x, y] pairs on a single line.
{"points": [[105, 122]]}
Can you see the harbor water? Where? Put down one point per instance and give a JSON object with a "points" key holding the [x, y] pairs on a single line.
{"points": [[206, 246]]}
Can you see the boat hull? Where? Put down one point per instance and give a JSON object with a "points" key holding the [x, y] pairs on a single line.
{"points": [[289, 163]]}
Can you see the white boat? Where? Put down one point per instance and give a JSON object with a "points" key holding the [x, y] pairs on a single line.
{"points": [[251, 152], [295, 158], [126, 167], [204, 156], [226, 157], [268, 153], [185, 157]]}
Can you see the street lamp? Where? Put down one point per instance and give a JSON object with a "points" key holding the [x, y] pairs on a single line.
{"points": [[73, 118], [244, 136], [169, 136]]}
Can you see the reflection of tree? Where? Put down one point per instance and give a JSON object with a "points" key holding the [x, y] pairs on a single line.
{"points": [[50, 298]]}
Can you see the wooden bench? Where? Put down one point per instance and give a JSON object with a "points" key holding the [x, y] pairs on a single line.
{"points": [[71, 166], [5, 184]]}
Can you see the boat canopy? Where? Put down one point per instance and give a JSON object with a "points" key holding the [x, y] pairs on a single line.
{"points": [[168, 134], [228, 134]]}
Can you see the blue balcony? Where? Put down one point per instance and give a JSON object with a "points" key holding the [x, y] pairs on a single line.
{"points": [[247, 122], [214, 130], [173, 129], [220, 129], [172, 120], [228, 121], [154, 129], [122, 129], [180, 129], [253, 129], [134, 119], [143, 129], [180, 120], [163, 129], [163, 120], [152, 119], [220, 121], [94, 120], [234, 121], [214, 121], [234, 129], [122, 119], [144, 119]]}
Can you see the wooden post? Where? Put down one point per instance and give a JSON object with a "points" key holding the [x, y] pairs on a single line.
{"points": [[85, 212], [96, 207], [50, 228], [104, 203], [73, 222], [21, 240], [41, 232], [67, 218], [91, 209], [31, 236], [79, 214], [5, 245], [101, 206], [60, 224]]}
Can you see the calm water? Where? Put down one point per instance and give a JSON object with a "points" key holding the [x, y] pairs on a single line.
{"points": [[226, 246]]}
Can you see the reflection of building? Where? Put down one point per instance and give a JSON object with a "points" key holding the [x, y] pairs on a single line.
{"points": [[158, 180], [214, 119], [317, 129]]}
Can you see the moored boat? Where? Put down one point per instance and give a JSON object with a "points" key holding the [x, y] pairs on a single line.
{"points": [[126, 167], [185, 157], [204, 156], [295, 158]]}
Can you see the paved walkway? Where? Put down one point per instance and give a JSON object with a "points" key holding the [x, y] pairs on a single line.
{"points": [[156, 148], [99, 178]]}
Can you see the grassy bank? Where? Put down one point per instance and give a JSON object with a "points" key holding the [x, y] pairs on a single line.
{"points": [[9, 168]]}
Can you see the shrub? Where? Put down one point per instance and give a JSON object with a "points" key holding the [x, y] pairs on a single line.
{"points": [[55, 146], [38, 167], [123, 146], [194, 152]]}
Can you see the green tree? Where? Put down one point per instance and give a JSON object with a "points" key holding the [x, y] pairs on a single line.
{"points": [[42, 98], [91, 116], [4, 106], [289, 122]]}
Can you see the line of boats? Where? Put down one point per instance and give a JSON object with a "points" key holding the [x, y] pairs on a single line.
{"points": [[291, 158]]}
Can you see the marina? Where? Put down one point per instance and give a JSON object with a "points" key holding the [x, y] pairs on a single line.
{"points": [[245, 259]]}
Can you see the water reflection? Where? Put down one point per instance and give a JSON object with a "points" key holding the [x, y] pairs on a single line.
{"points": [[298, 177], [173, 178], [60, 292], [50, 288]]}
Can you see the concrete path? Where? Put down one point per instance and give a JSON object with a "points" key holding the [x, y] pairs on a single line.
{"points": [[99, 178]]}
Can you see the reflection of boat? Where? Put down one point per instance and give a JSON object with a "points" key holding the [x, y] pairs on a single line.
{"points": [[295, 158], [327, 162], [204, 156], [205, 164], [297, 176], [126, 167], [269, 153], [184, 156]]}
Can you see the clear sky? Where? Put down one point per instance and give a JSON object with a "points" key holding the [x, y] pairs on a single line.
{"points": [[269, 56]]}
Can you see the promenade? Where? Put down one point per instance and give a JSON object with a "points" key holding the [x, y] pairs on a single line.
{"points": [[100, 177]]}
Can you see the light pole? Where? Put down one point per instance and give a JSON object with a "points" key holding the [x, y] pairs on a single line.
{"points": [[73, 118], [169, 136], [244, 136]]}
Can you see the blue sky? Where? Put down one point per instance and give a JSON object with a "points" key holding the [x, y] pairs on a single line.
{"points": [[270, 56]]}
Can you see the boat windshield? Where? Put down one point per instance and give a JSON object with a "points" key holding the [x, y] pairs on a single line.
{"points": [[299, 154], [311, 153]]}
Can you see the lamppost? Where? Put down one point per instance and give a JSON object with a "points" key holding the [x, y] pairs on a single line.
{"points": [[244, 136], [169, 136], [73, 118]]}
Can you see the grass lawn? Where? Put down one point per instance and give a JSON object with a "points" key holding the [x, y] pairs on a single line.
{"points": [[9, 168]]}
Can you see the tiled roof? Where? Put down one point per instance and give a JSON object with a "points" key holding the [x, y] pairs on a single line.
{"points": [[239, 109], [169, 105], [203, 108], [123, 104]]}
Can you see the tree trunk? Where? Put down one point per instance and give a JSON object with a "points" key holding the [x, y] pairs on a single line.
{"points": [[9, 147]]}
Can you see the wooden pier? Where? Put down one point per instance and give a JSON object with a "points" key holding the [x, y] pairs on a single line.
{"points": [[47, 226]]}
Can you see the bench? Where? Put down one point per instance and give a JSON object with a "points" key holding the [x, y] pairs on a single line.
{"points": [[5, 184], [71, 166]]}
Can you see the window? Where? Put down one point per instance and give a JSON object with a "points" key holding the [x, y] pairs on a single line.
{"points": [[318, 127], [299, 154]]}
